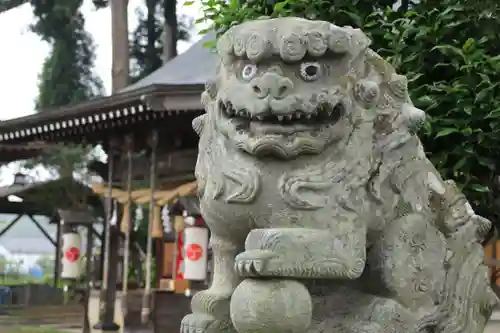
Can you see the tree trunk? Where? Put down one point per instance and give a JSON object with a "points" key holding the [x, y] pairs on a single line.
{"points": [[151, 55], [120, 70], [170, 30]]}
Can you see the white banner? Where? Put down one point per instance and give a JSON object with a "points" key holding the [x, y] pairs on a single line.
{"points": [[195, 253], [71, 259]]}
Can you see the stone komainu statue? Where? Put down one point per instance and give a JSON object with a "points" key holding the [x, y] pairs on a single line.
{"points": [[326, 215]]}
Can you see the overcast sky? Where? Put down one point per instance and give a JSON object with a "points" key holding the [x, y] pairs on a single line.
{"points": [[23, 53]]}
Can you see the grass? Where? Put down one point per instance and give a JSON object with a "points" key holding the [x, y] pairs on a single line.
{"points": [[31, 329]]}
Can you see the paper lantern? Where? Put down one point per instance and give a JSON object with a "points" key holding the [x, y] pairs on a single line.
{"points": [[195, 253], [71, 266]]}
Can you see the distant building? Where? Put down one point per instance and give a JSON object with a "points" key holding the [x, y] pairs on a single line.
{"points": [[24, 242]]}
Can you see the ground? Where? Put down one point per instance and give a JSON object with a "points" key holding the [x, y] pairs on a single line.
{"points": [[31, 329]]}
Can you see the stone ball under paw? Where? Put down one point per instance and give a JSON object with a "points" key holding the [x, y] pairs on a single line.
{"points": [[271, 306]]}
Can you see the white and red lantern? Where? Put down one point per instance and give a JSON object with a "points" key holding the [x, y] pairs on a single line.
{"points": [[195, 253], [71, 260]]}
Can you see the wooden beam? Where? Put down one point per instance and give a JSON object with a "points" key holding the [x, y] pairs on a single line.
{"points": [[23, 209], [11, 224], [42, 230], [6, 5], [492, 262]]}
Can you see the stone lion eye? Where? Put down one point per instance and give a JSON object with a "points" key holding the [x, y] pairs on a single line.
{"points": [[248, 72], [310, 71]]}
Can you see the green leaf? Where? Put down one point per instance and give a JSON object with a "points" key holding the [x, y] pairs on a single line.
{"points": [[188, 3], [480, 96], [460, 164], [446, 131], [424, 101], [355, 18], [234, 4], [479, 188], [279, 6], [467, 45], [494, 114]]}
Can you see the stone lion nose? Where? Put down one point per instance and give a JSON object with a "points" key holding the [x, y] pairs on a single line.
{"points": [[273, 85]]}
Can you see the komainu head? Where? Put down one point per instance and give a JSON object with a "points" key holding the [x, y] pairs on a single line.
{"points": [[311, 92], [287, 87], [284, 86]]}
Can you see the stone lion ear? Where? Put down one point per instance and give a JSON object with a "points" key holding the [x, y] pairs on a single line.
{"points": [[199, 123]]}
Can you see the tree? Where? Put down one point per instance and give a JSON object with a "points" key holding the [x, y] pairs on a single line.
{"points": [[154, 41], [66, 77], [158, 26], [449, 49], [46, 264]]}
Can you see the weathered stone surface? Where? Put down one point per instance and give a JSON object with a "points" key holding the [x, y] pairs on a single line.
{"points": [[310, 171]]}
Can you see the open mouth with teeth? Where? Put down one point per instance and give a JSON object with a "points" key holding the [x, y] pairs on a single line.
{"points": [[283, 135], [321, 115]]}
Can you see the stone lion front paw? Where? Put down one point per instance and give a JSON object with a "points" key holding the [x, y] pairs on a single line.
{"points": [[256, 263], [203, 323], [196, 323]]}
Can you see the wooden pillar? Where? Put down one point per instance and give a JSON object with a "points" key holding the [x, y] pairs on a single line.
{"points": [[57, 266], [146, 300], [126, 226], [159, 260], [88, 279], [108, 286]]}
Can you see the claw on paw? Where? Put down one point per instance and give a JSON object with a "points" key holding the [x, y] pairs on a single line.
{"points": [[196, 323], [253, 262]]}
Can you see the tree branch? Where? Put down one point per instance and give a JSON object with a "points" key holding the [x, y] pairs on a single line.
{"points": [[6, 5]]}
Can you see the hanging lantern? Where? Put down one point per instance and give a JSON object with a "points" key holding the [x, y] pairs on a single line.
{"points": [[71, 261], [195, 253]]}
